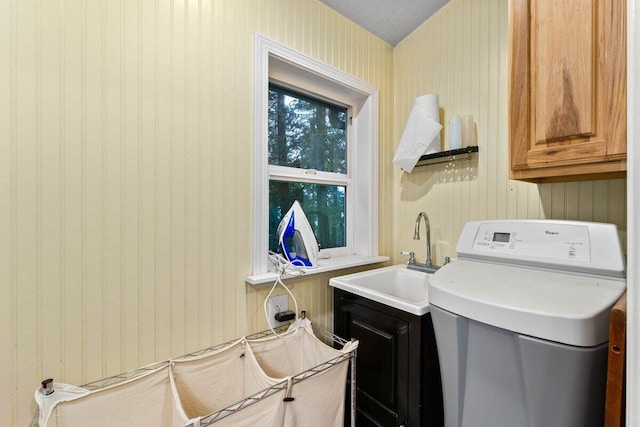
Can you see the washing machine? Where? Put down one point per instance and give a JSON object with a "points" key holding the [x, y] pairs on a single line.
{"points": [[521, 320]]}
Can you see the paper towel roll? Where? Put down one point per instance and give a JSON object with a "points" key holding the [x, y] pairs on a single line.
{"points": [[421, 133]]}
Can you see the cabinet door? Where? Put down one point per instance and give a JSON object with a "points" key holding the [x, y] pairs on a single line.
{"points": [[567, 89], [382, 363]]}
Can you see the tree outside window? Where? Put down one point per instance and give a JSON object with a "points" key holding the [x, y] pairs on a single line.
{"points": [[308, 135]]}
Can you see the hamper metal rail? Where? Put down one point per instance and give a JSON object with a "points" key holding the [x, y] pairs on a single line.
{"points": [[325, 336], [210, 419]]}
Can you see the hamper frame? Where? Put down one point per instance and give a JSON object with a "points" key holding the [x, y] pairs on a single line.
{"points": [[323, 335]]}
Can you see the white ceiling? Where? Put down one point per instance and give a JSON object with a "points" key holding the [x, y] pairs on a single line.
{"points": [[391, 20]]}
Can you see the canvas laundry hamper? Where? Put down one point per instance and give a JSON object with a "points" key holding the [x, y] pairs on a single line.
{"points": [[300, 350], [291, 380], [147, 400], [266, 408], [212, 382]]}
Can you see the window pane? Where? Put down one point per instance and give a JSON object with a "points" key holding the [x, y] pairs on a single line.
{"points": [[324, 206], [306, 133]]}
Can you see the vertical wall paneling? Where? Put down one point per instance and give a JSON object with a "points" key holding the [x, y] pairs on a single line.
{"points": [[126, 178], [460, 54], [228, 79], [162, 112], [203, 88], [24, 156], [91, 200], [146, 215], [8, 205]]}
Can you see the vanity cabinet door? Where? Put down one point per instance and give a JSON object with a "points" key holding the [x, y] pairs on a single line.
{"points": [[388, 370], [567, 89]]}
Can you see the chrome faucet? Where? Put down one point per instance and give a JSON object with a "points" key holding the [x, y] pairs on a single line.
{"points": [[428, 265], [416, 235]]}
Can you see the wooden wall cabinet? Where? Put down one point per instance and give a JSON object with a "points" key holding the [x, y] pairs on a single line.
{"points": [[567, 90]]}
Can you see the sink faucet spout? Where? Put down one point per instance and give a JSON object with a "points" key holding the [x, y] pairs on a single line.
{"points": [[416, 235]]}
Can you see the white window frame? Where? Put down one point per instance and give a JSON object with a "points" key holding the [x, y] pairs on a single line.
{"points": [[280, 64]]}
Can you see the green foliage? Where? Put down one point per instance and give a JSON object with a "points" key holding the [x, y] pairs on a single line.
{"points": [[307, 133]]}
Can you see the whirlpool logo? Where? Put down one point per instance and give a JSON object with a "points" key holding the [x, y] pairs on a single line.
{"points": [[551, 233]]}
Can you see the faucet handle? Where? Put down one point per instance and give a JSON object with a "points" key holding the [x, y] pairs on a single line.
{"points": [[411, 255]]}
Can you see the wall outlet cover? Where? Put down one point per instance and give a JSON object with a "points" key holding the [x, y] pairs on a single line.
{"points": [[277, 305]]}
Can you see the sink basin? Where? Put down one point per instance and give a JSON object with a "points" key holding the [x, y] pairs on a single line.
{"points": [[395, 286]]}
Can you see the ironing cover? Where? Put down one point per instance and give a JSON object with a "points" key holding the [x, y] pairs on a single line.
{"points": [[185, 391]]}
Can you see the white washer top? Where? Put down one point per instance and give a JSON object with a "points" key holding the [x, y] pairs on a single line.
{"points": [[537, 278]]}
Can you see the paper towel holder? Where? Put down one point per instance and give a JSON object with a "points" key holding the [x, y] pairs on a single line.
{"points": [[465, 153]]}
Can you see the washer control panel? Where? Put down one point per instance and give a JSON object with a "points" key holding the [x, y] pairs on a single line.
{"points": [[538, 240], [579, 246]]}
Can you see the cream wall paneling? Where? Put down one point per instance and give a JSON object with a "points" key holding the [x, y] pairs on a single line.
{"points": [[125, 190]]}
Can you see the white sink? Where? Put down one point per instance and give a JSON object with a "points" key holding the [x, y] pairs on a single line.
{"points": [[395, 286]]}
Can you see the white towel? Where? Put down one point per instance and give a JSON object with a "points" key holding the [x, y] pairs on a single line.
{"points": [[421, 133]]}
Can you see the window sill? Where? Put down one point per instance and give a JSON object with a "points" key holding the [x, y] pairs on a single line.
{"points": [[324, 266]]}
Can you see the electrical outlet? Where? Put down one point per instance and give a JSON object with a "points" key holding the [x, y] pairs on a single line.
{"points": [[277, 305]]}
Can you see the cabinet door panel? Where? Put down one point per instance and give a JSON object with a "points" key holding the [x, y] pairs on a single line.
{"points": [[382, 362], [563, 69], [567, 89], [376, 363]]}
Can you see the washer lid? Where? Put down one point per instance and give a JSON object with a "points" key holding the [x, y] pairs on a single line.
{"points": [[552, 305]]}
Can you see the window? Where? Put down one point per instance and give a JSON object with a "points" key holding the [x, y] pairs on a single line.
{"points": [[306, 136], [315, 141]]}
